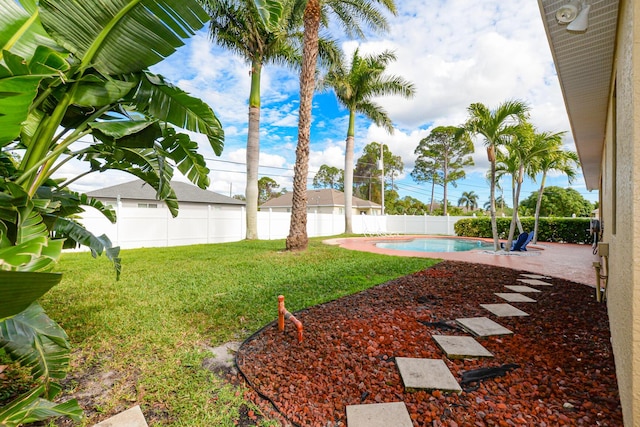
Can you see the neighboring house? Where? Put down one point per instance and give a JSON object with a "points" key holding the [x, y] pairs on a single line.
{"points": [[599, 72], [143, 221], [141, 195], [326, 200]]}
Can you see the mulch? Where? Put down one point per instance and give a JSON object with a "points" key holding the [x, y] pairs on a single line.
{"points": [[561, 368]]}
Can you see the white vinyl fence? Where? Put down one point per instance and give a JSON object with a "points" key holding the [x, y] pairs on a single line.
{"points": [[140, 227]]}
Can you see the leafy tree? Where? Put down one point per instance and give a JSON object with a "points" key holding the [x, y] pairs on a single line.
{"points": [[559, 202], [495, 126], [447, 149], [407, 205], [355, 87], [555, 159], [329, 177], [351, 14], [71, 70], [367, 174], [266, 189], [469, 200]]}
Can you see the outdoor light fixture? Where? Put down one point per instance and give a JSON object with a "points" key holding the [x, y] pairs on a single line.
{"points": [[575, 14]]}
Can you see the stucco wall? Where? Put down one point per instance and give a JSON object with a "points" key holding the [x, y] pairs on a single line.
{"points": [[620, 206]]}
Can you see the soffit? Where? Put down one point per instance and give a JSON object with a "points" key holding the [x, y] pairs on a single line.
{"points": [[584, 63]]}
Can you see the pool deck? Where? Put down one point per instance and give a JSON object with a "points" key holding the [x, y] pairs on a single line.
{"points": [[563, 260]]}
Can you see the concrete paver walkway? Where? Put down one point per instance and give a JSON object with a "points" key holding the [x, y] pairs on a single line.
{"points": [[504, 310], [514, 297], [483, 326], [379, 415], [428, 374]]}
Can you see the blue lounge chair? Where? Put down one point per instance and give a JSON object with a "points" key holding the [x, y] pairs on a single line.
{"points": [[526, 242], [522, 242]]}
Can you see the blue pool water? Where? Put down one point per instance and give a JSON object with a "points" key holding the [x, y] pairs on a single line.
{"points": [[436, 245]]}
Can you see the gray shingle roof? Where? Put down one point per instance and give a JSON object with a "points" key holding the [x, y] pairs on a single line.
{"points": [[139, 190], [324, 197]]}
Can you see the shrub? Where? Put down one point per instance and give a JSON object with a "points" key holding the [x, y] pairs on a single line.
{"points": [[567, 230]]}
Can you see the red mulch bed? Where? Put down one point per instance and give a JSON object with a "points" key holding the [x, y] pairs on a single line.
{"points": [[565, 373]]}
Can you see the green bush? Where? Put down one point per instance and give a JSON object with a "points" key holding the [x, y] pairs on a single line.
{"points": [[567, 230]]}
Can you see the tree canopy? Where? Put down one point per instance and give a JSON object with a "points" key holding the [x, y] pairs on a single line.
{"points": [[559, 202]]}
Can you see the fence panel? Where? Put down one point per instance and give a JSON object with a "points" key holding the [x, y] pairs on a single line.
{"points": [[139, 227]]}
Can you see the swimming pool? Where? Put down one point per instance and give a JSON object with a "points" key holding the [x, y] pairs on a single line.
{"points": [[436, 245]]}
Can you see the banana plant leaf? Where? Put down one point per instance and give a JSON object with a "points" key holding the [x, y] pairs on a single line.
{"points": [[32, 339], [18, 289], [127, 36], [30, 407]]}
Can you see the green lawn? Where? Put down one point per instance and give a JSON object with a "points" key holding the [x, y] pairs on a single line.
{"points": [[151, 327]]}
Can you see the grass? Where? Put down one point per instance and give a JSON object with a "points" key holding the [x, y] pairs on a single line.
{"points": [[149, 330]]}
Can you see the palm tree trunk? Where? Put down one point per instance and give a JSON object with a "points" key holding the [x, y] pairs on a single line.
{"points": [[492, 198], [445, 173], [538, 204], [253, 152], [297, 238], [516, 202], [348, 180], [433, 187]]}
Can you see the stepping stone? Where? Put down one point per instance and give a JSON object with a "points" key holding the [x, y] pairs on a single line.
{"points": [[514, 297], [427, 374], [535, 282], [132, 417], [521, 288], [458, 347], [379, 415], [503, 310], [534, 276], [483, 326]]}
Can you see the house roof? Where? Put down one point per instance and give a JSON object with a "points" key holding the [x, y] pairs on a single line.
{"points": [[139, 190], [584, 63], [318, 198]]}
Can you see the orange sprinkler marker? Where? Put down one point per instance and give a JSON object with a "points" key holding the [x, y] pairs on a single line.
{"points": [[284, 314]]}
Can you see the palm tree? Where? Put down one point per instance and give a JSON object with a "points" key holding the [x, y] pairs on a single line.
{"points": [[555, 158], [351, 13], [355, 86], [236, 25], [469, 200], [524, 149], [495, 126]]}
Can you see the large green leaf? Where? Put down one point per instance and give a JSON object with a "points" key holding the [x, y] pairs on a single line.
{"points": [[20, 28], [17, 93], [128, 133], [121, 36], [169, 103], [96, 91], [182, 150], [30, 407], [35, 341], [270, 12], [19, 289]]}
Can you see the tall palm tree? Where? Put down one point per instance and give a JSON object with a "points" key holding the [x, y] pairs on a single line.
{"points": [[355, 86], [469, 200], [237, 26], [524, 150], [495, 126], [350, 14], [555, 159]]}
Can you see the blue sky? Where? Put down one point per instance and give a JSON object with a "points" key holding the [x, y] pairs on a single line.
{"points": [[456, 52]]}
